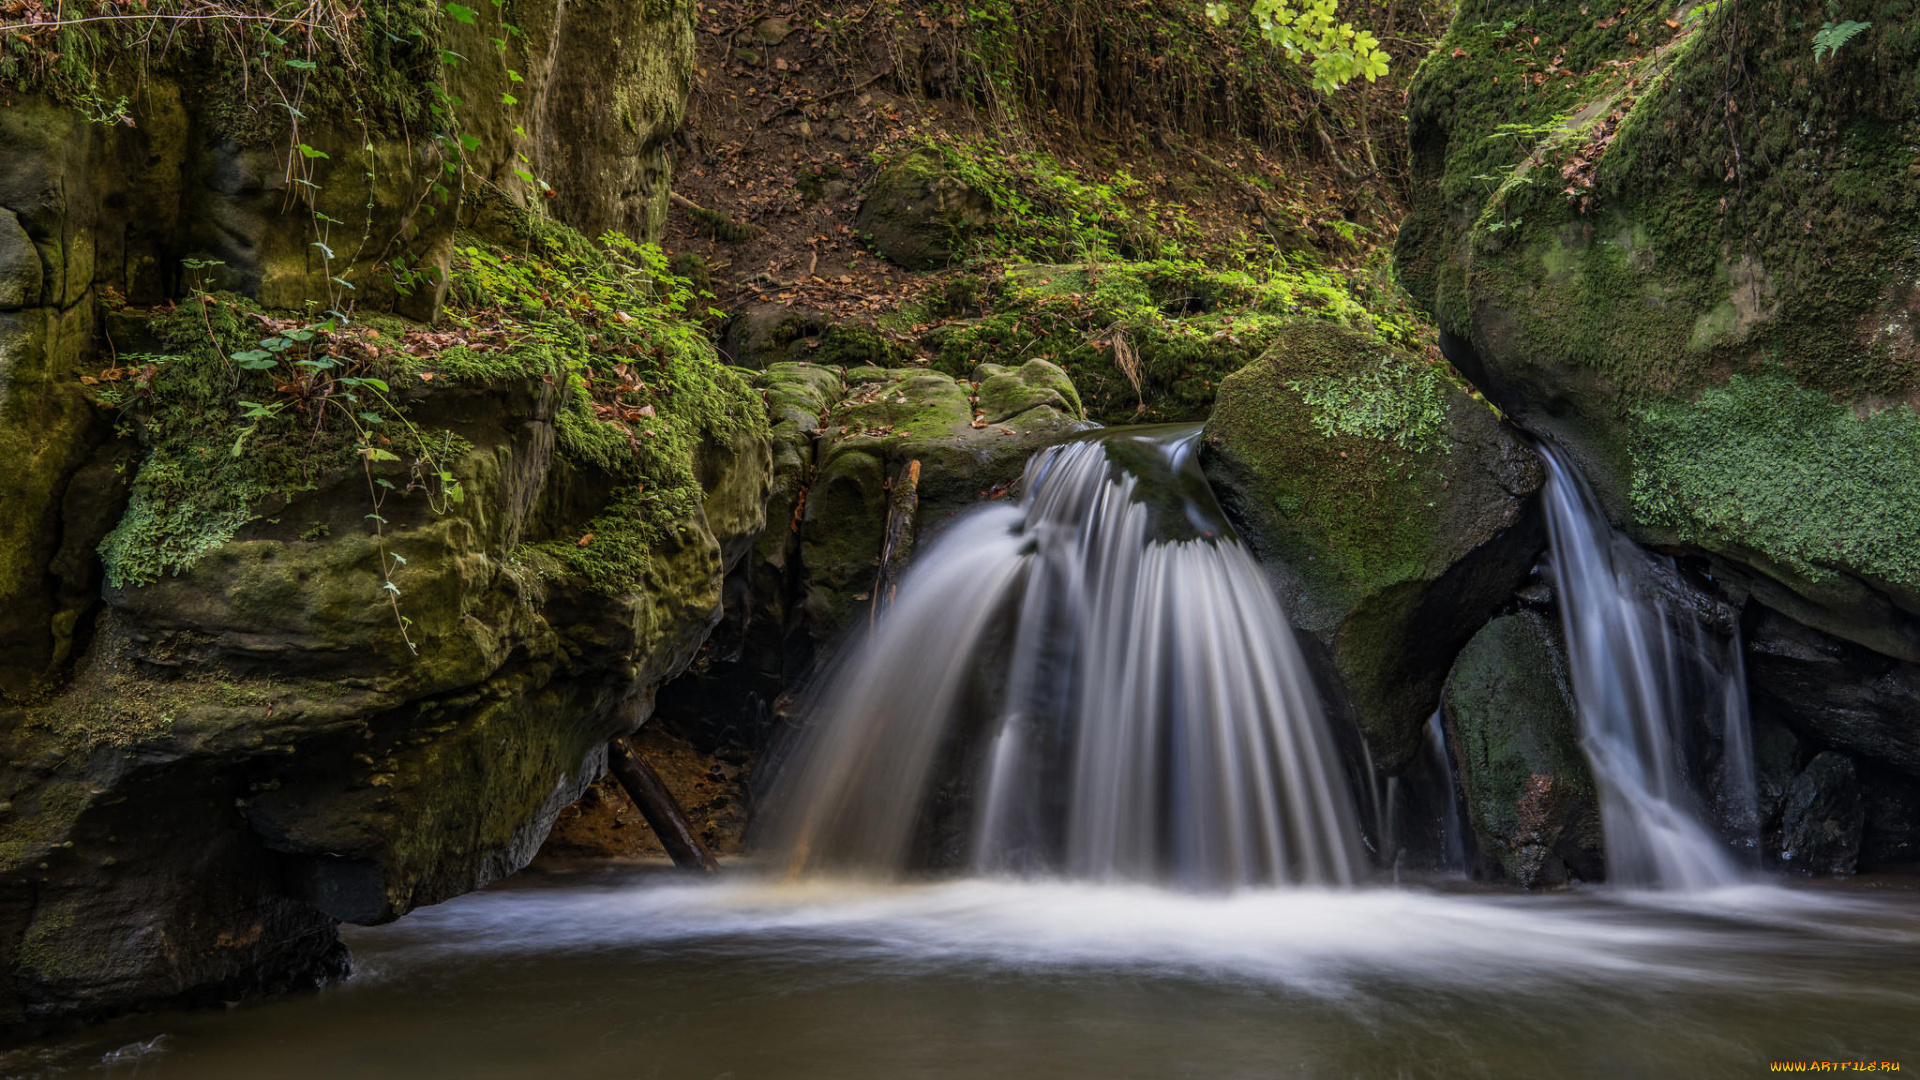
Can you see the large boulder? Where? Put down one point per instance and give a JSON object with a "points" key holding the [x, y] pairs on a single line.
{"points": [[1515, 741], [1704, 293], [1825, 815], [261, 743], [919, 211], [1396, 510]]}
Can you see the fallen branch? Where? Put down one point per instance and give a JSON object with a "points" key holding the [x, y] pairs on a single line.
{"points": [[659, 807], [902, 503]]}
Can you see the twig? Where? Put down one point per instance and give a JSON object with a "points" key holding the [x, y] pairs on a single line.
{"points": [[15, 28]]}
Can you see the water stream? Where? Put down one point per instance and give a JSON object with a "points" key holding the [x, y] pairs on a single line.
{"points": [[1103, 673], [1083, 698], [1660, 702], [644, 975]]}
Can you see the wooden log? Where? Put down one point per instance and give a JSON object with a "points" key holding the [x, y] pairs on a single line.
{"points": [[659, 807], [903, 501]]}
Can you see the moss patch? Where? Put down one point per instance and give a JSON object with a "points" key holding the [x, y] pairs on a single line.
{"points": [[1743, 464], [1150, 342]]}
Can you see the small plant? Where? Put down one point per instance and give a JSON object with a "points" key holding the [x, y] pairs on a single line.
{"points": [[1834, 36]]}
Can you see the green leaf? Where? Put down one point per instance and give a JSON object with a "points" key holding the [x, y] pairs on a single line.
{"points": [[460, 13], [301, 65], [252, 357], [309, 152], [324, 249], [377, 384], [384, 482], [395, 556], [374, 453], [469, 143], [392, 588], [509, 99]]}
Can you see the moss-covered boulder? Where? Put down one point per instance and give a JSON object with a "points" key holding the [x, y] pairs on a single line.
{"points": [[888, 417], [919, 211], [1395, 509], [1706, 293], [1515, 741], [269, 739], [1149, 342]]}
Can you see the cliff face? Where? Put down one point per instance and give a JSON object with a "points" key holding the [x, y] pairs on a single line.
{"points": [[1681, 248], [375, 594]]}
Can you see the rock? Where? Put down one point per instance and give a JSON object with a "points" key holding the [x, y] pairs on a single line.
{"points": [[1509, 712], [891, 416], [763, 334], [19, 265], [1396, 512], [918, 212], [1005, 393], [1891, 836], [261, 754], [772, 30], [1824, 816], [1730, 369], [206, 772], [1844, 695]]}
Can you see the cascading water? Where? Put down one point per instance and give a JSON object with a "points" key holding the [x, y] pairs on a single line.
{"points": [[1657, 700], [1107, 673]]}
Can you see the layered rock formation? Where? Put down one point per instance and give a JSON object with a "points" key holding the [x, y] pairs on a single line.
{"points": [[344, 670]]}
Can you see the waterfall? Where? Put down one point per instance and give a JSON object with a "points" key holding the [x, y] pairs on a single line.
{"points": [[1658, 699], [1096, 682]]}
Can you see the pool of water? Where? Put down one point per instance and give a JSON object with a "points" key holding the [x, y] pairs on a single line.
{"points": [[630, 973]]}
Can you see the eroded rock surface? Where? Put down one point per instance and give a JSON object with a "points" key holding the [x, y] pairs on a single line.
{"points": [[1509, 714], [1398, 513]]}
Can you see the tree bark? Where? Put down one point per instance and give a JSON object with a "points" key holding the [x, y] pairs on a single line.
{"points": [[902, 503], [659, 807]]}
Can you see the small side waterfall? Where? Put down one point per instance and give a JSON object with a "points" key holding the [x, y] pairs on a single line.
{"points": [[1659, 700], [1095, 682]]}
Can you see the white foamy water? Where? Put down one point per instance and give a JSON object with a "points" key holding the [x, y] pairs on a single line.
{"points": [[616, 975], [1318, 942]]}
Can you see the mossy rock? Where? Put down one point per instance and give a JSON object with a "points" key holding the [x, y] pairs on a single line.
{"points": [[1711, 308], [918, 212], [888, 418], [1004, 394], [1397, 510], [1509, 716]]}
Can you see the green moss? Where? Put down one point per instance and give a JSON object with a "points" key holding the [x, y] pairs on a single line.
{"points": [[1766, 464], [220, 440], [1394, 401], [645, 389], [1347, 500], [1526, 780], [1151, 341]]}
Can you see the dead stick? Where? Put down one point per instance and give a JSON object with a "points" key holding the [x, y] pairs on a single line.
{"points": [[897, 548], [659, 807]]}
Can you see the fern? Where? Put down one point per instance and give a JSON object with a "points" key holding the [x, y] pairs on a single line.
{"points": [[1833, 36]]}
